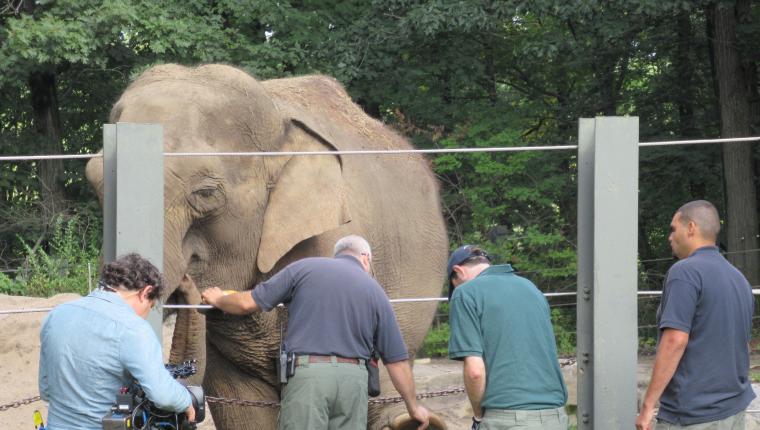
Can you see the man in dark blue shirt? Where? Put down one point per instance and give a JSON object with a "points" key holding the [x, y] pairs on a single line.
{"points": [[336, 313], [701, 369]]}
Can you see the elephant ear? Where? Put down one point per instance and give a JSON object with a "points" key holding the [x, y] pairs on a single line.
{"points": [[309, 197]]}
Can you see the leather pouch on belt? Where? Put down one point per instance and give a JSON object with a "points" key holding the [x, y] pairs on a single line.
{"points": [[373, 376]]}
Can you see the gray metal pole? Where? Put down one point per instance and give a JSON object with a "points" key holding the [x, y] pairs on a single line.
{"points": [[585, 306], [133, 204], [607, 273]]}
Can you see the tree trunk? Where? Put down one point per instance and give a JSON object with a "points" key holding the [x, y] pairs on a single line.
{"points": [[685, 73], [48, 125], [738, 169]]}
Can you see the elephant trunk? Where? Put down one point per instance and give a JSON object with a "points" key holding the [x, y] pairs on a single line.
{"points": [[189, 340]]}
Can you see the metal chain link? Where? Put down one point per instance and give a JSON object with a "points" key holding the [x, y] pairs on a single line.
{"points": [[238, 402], [429, 395], [381, 401], [18, 403]]}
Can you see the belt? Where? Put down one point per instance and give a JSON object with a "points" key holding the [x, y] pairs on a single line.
{"points": [[327, 359]]}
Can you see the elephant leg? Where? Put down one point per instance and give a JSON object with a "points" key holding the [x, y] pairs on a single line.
{"points": [[223, 379]]}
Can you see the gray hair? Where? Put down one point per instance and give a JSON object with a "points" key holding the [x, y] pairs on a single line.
{"points": [[704, 215], [354, 245]]}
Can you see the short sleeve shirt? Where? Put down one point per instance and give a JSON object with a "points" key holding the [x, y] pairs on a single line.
{"points": [[505, 319], [334, 308], [707, 297]]}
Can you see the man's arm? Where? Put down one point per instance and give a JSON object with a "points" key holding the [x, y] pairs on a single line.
{"points": [[141, 356], [239, 303], [475, 382], [401, 376], [672, 346], [42, 379]]}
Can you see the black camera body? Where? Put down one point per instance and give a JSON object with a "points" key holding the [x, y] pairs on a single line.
{"points": [[133, 410]]}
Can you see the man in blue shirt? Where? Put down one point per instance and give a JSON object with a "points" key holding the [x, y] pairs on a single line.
{"points": [[93, 346], [337, 313], [700, 373]]}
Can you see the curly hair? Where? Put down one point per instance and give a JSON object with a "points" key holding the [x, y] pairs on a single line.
{"points": [[133, 272]]}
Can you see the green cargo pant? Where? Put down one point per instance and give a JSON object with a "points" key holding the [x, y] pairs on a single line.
{"points": [[505, 419], [329, 396], [734, 422]]}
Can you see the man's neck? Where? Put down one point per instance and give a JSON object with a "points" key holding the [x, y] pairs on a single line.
{"points": [[477, 270], [700, 244]]}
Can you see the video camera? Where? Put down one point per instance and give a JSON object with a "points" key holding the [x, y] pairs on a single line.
{"points": [[133, 410]]}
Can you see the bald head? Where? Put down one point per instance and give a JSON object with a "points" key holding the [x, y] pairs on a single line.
{"points": [[704, 215], [354, 245]]}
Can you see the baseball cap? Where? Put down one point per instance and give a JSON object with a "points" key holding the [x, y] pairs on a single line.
{"points": [[459, 256]]}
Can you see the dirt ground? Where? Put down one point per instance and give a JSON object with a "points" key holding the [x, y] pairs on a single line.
{"points": [[19, 362]]}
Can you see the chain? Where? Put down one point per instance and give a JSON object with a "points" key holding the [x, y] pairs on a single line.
{"points": [[429, 395], [237, 402], [18, 403], [381, 401]]}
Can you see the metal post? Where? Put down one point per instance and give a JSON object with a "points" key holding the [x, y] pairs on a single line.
{"points": [[133, 203], [607, 274]]}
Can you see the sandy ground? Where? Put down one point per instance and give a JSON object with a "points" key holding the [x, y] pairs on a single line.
{"points": [[19, 361]]}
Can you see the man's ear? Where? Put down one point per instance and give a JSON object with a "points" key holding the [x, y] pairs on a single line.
{"points": [[458, 272], [146, 291], [692, 228]]}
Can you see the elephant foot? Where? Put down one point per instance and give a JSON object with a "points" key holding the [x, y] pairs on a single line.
{"points": [[405, 422], [396, 418]]}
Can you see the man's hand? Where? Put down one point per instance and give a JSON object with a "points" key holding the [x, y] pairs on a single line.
{"points": [[422, 416], [644, 420], [231, 302], [212, 295], [475, 423], [190, 413]]}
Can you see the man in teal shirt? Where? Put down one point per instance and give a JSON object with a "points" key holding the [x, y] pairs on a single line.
{"points": [[501, 328]]}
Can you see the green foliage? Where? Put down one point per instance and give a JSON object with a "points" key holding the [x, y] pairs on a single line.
{"points": [[437, 341], [62, 269], [563, 322]]}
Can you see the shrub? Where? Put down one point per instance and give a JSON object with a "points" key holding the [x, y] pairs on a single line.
{"points": [[74, 243]]}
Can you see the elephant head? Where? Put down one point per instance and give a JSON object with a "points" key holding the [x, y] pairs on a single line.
{"points": [[233, 221]]}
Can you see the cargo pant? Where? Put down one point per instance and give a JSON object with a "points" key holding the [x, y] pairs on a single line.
{"points": [[329, 396], [506, 419], [734, 422]]}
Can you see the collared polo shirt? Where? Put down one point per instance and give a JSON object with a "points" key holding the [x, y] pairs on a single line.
{"points": [[710, 299], [505, 319], [334, 308]]}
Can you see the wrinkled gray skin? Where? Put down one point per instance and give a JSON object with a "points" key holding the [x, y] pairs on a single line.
{"points": [[235, 221]]}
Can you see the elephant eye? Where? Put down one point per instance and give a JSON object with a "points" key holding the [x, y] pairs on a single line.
{"points": [[207, 199]]}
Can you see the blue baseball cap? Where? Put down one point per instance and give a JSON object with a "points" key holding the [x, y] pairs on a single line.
{"points": [[459, 256]]}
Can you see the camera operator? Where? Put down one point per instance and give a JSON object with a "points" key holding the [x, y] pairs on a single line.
{"points": [[93, 346]]}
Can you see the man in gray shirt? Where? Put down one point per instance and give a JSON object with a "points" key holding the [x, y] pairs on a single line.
{"points": [[700, 374], [336, 313]]}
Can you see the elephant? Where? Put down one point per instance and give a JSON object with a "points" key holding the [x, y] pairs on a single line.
{"points": [[234, 221]]}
